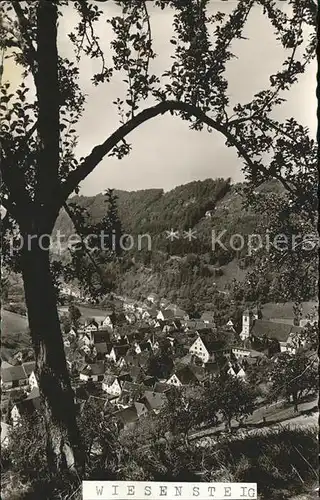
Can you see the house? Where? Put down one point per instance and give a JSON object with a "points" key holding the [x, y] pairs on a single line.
{"points": [[113, 384], [235, 370], [165, 315], [296, 340], [142, 328], [153, 342], [127, 417], [209, 214], [200, 373], [139, 347], [154, 401], [129, 305], [100, 336], [177, 312], [286, 321], [109, 321], [84, 349], [193, 325], [286, 335], [127, 337], [164, 302], [208, 317], [14, 377], [30, 367], [91, 325], [131, 360], [72, 332], [204, 330], [176, 325], [26, 407], [159, 324], [180, 314], [146, 315], [153, 311], [102, 349], [142, 410], [136, 374], [93, 372], [117, 352], [140, 308], [5, 364], [5, 434], [121, 362], [131, 392], [149, 381], [84, 339], [169, 328], [161, 387], [152, 297], [229, 327], [203, 349], [185, 360], [182, 376], [130, 317], [240, 352], [143, 359]]}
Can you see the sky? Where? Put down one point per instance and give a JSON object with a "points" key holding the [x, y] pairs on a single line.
{"points": [[165, 153]]}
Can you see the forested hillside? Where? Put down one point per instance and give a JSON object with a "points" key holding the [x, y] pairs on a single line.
{"points": [[187, 269]]}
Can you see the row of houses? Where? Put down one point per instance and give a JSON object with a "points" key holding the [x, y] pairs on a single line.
{"points": [[116, 358]]}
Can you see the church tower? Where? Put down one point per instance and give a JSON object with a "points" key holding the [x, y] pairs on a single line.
{"points": [[247, 322]]}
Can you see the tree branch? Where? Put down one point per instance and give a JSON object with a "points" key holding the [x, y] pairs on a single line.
{"points": [[99, 152], [83, 244], [30, 51]]}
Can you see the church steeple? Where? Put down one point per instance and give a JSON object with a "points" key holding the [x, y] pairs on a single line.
{"points": [[247, 322]]}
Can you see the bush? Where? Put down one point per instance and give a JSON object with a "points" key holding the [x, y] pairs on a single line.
{"points": [[283, 462], [24, 464]]}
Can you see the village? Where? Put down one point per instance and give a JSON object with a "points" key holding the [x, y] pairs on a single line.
{"points": [[134, 356]]}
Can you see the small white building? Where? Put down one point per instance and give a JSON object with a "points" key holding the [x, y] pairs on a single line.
{"points": [[209, 214], [173, 380], [93, 372], [236, 371], [152, 297], [111, 385], [240, 352], [109, 321]]}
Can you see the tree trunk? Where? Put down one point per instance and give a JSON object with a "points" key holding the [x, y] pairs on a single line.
{"points": [[64, 450], [295, 402]]}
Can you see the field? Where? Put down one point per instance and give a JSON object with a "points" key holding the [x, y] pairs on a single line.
{"points": [[276, 310], [14, 333], [88, 312]]}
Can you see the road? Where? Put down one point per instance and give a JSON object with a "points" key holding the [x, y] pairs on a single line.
{"points": [[274, 414]]}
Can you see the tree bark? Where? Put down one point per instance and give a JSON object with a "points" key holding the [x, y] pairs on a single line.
{"points": [[64, 450]]}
